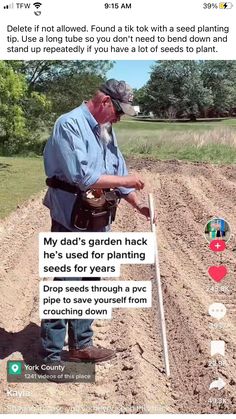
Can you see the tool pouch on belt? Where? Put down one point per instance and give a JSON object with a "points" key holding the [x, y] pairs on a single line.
{"points": [[92, 212], [94, 209]]}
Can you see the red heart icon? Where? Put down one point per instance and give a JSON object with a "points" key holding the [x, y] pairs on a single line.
{"points": [[217, 272]]}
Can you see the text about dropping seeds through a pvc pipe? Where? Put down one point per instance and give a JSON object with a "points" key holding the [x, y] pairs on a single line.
{"points": [[80, 299]]}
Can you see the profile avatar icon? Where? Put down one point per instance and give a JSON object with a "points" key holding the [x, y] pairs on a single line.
{"points": [[217, 229]]}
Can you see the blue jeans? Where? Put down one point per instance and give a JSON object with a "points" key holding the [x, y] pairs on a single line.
{"points": [[53, 331]]}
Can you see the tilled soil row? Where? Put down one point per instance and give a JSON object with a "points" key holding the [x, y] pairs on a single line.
{"points": [[183, 210]]}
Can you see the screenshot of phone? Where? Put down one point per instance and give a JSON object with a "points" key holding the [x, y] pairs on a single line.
{"points": [[117, 207]]}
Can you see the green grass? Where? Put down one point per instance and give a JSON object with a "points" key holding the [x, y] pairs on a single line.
{"points": [[213, 142], [132, 124], [19, 179]]}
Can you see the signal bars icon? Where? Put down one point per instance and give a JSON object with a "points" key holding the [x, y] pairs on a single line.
{"points": [[9, 6]]}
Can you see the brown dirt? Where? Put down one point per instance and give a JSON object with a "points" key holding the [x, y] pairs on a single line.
{"points": [[186, 195]]}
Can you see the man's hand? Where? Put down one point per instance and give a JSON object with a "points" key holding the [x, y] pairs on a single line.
{"points": [[133, 200], [142, 209], [132, 181]]}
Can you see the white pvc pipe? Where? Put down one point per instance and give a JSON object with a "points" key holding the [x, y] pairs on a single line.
{"points": [[159, 289]]}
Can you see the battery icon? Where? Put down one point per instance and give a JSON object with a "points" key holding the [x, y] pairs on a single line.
{"points": [[226, 5]]}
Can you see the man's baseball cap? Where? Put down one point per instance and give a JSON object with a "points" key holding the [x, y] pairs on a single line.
{"points": [[121, 92]]}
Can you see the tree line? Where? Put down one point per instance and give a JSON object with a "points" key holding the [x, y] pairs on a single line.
{"points": [[189, 89], [34, 93]]}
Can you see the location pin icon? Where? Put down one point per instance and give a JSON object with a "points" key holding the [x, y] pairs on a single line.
{"points": [[15, 368]]}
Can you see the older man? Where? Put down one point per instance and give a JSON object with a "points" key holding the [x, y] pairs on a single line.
{"points": [[83, 153]]}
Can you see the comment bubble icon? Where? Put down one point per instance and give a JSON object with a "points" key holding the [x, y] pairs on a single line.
{"points": [[217, 310]]}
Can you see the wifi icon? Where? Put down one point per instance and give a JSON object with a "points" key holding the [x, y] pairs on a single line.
{"points": [[37, 5]]}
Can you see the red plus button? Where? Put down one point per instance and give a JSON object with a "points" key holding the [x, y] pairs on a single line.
{"points": [[217, 245]]}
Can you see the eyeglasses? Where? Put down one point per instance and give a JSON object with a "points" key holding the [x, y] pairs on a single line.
{"points": [[117, 107]]}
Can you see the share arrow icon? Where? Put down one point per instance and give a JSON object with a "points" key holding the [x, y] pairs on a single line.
{"points": [[218, 384]]}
